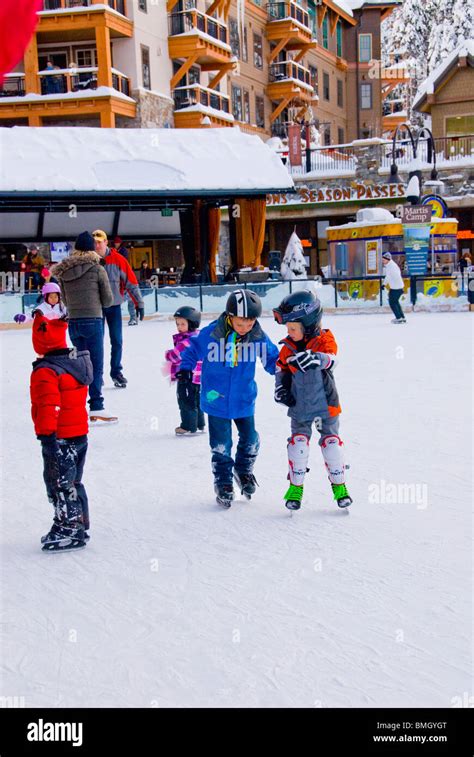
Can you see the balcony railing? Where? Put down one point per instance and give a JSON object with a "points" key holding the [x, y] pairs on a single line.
{"points": [[288, 9], [62, 81], [195, 94], [289, 70], [186, 21], [13, 86], [54, 5]]}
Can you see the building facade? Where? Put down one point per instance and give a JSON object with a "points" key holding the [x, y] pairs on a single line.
{"points": [[191, 63]]}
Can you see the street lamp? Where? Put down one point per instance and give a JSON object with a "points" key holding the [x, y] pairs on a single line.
{"points": [[415, 177]]}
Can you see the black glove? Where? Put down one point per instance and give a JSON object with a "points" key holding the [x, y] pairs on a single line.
{"points": [[304, 361], [49, 443], [141, 312], [283, 389], [284, 396], [184, 377]]}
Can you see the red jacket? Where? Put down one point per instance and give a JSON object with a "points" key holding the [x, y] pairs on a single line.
{"points": [[58, 390]]}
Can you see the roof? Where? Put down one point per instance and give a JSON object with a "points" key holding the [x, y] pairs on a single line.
{"points": [[429, 86], [147, 161], [356, 5]]}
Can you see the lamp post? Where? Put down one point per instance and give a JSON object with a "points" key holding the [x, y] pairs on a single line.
{"points": [[415, 177]]}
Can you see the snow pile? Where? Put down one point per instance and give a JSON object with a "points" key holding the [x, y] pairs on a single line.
{"points": [[82, 159]]}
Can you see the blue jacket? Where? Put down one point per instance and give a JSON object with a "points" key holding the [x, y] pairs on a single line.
{"points": [[229, 390]]}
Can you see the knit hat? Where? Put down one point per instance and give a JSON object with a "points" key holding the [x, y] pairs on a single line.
{"points": [[48, 335], [387, 256], [84, 242], [100, 235]]}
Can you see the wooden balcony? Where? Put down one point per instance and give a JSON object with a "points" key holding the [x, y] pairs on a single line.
{"points": [[289, 80], [288, 25], [194, 34], [195, 102], [57, 25], [66, 93]]}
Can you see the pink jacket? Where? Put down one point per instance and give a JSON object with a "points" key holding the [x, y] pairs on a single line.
{"points": [[181, 341]]}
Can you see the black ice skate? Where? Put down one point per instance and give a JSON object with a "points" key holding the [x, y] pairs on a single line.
{"points": [[224, 494], [120, 381], [247, 483]]}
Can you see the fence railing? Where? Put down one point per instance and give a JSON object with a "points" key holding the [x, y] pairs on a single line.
{"points": [[328, 159], [62, 81], [53, 5], [13, 86], [287, 69], [288, 9], [199, 95], [185, 21]]}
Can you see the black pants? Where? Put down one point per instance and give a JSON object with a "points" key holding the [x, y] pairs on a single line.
{"points": [[189, 402], [62, 474], [393, 300]]}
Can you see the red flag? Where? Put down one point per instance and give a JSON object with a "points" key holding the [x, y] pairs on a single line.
{"points": [[294, 144], [18, 21]]}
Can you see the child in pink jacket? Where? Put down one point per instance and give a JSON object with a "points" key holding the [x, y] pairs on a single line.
{"points": [[188, 320]]}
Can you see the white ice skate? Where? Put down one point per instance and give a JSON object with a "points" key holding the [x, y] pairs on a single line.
{"points": [[101, 418]]}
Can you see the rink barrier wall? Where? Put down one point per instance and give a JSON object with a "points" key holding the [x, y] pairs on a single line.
{"points": [[357, 294]]}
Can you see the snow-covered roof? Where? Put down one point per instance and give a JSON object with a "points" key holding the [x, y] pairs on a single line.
{"points": [[165, 161], [356, 5], [429, 85]]}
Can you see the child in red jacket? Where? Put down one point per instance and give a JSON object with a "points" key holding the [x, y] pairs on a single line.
{"points": [[58, 390]]}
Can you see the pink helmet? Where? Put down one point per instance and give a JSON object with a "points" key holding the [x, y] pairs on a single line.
{"points": [[50, 288]]}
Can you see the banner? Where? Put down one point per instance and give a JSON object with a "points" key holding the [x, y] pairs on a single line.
{"points": [[294, 144], [417, 246], [373, 249]]}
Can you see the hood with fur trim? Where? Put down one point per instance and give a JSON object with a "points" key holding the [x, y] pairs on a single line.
{"points": [[76, 265]]}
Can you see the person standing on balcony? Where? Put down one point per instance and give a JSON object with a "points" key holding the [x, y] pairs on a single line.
{"points": [[393, 279], [122, 279]]}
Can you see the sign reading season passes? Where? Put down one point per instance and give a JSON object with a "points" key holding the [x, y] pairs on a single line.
{"points": [[353, 193]]}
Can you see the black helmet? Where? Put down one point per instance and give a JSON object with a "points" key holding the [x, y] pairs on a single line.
{"points": [[303, 307], [191, 315], [244, 303]]}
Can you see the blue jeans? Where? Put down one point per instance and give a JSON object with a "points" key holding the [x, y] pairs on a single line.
{"points": [[393, 300], [113, 316], [88, 334], [220, 439]]}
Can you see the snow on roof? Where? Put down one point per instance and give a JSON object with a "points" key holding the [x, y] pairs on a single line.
{"points": [[82, 159], [428, 86], [358, 4]]}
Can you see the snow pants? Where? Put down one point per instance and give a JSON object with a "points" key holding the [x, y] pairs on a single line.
{"points": [[63, 466], [189, 403]]}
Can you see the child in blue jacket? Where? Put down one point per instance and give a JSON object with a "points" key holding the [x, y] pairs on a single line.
{"points": [[229, 348]]}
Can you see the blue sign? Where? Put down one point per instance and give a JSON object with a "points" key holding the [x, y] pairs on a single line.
{"points": [[438, 205], [417, 247]]}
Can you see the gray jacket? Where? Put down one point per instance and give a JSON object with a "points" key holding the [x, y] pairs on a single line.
{"points": [[314, 391], [84, 285]]}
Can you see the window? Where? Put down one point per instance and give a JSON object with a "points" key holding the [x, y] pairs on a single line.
{"points": [[260, 111], [245, 51], [85, 58], [459, 126], [326, 134], [339, 39], [365, 48], [237, 103], [257, 51], [326, 32], [142, 6], [146, 67], [340, 93], [326, 87], [366, 96], [246, 107], [313, 73], [234, 37], [340, 136]]}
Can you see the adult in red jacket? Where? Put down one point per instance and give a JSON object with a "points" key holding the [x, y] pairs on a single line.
{"points": [[58, 390], [122, 279]]}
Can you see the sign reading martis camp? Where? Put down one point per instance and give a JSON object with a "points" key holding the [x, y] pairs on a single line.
{"points": [[417, 214], [353, 193]]}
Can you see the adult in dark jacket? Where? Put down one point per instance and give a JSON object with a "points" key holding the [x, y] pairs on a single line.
{"points": [[86, 291], [122, 280]]}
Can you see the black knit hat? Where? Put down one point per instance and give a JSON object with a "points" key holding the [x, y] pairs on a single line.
{"points": [[85, 242]]}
